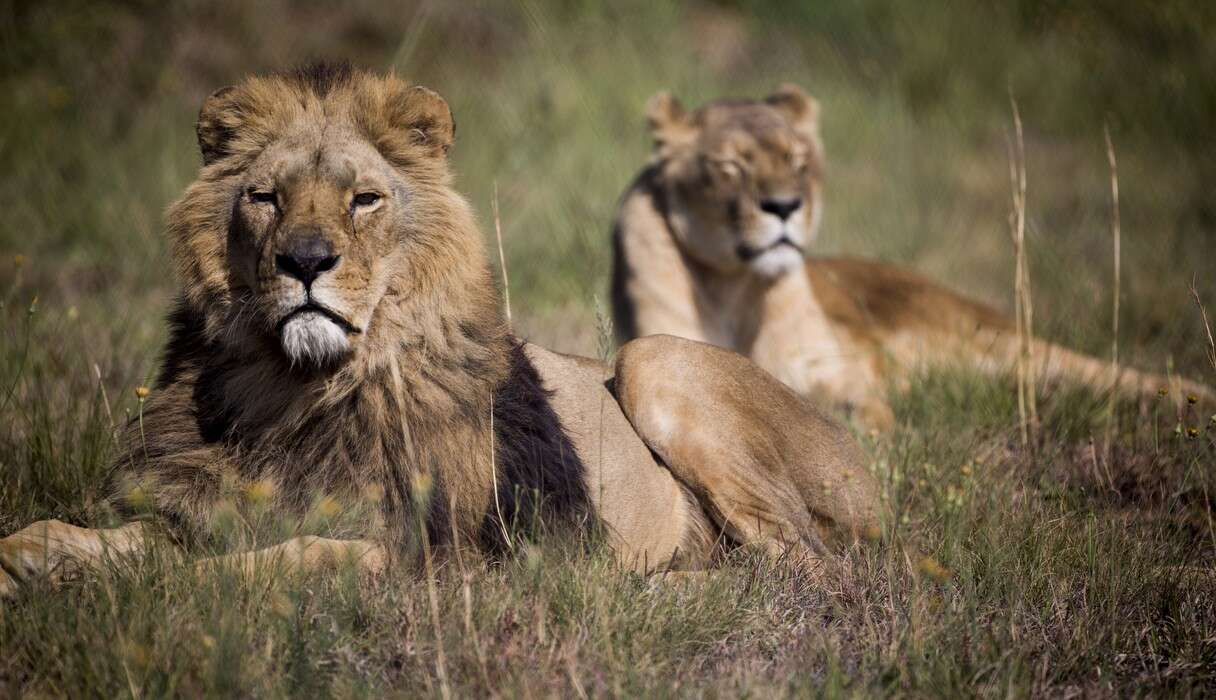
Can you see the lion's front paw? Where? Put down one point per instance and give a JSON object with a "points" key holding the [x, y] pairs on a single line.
{"points": [[40, 549], [8, 585]]}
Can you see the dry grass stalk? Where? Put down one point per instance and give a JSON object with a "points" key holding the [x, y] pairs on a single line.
{"points": [[502, 523], [1116, 241], [502, 258], [422, 494], [1028, 415], [1203, 314], [466, 589], [1116, 236]]}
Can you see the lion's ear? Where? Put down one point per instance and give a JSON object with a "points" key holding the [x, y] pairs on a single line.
{"points": [[799, 108], [669, 124], [217, 122], [426, 117]]}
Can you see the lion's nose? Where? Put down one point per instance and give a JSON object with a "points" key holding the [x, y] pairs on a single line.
{"points": [[781, 208], [306, 258]]}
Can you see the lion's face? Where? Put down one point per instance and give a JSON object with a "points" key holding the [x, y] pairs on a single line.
{"points": [[319, 219], [323, 213], [741, 179]]}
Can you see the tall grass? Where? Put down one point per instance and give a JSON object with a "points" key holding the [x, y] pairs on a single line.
{"points": [[1056, 572]]}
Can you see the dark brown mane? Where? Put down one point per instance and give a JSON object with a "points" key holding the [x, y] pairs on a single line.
{"points": [[436, 404], [185, 451], [323, 77]]}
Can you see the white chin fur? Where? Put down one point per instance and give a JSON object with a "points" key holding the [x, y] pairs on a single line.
{"points": [[311, 338], [777, 261]]}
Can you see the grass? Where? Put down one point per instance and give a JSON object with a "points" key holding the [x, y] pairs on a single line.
{"points": [[1072, 564]]}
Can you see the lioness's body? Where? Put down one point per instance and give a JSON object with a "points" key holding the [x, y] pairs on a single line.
{"points": [[338, 339], [710, 242]]}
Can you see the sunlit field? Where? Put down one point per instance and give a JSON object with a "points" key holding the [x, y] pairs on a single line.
{"points": [[1080, 563]]}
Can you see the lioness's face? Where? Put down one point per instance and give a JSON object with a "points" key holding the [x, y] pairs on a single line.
{"points": [[318, 220], [742, 180]]}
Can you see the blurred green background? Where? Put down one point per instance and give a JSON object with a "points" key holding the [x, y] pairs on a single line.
{"points": [[97, 137], [1063, 555]]}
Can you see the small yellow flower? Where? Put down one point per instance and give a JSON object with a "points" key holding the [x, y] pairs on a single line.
{"points": [[328, 507], [966, 470], [138, 499], [73, 314], [208, 642], [420, 487], [19, 260], [1192, 432], [1192, 399], [260, 491], [137, 654], [374, 493], [1163, 391], [141, 392], [933, 569]]}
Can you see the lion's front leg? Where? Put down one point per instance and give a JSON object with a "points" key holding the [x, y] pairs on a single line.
{"points": [[772, 471], [305, 554], [53, 549]]}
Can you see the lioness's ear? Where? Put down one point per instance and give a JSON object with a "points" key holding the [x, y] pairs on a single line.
{"points": [[669, 123], [217, 121], [799, 108], [427, 118]]}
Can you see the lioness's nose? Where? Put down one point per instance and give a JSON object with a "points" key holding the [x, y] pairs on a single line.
{"points": [[781, 208], [306, 258]]}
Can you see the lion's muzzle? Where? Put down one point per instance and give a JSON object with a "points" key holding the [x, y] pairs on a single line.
{"points": [[306, 257]]}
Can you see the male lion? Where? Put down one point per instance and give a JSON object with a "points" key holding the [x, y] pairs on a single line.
{"points": [[339, 332], [709, 244]]}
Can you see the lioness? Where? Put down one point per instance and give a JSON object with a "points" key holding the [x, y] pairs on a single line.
{"points": [[339, 332], [710, 244]]}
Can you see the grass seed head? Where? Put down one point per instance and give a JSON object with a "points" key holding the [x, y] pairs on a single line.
{"points": [[933, 569], [328, 507], [260, 491], [138, 499]]}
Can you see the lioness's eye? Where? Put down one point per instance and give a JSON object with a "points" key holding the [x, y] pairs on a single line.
{"points": [[262, 197], [365, 199]]}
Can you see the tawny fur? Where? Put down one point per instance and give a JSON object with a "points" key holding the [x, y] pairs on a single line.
{"points": [[431, 405], [414, 402], [839, 330]]}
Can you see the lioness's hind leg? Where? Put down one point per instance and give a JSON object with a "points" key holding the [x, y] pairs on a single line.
{"points": [[773, 470], [53, 548]]}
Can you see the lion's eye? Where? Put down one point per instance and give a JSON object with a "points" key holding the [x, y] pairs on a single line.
{"points": [[263, 197], [365, 199]]}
